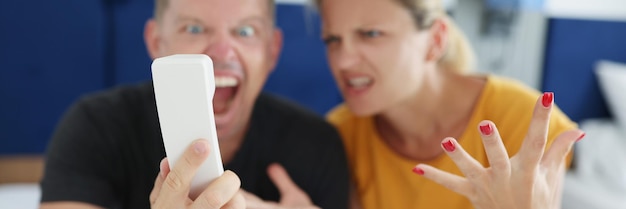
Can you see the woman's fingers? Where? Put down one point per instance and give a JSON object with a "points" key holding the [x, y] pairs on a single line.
{"points": [[556, 154], [453, 182], [496, 152], [471, 168], [534, 144]]}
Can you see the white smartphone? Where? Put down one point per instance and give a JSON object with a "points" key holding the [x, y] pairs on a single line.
{"points": [[184, 86]]}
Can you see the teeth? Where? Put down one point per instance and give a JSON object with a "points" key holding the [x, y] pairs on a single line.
{"points": [[360, 81], [225, 81]]}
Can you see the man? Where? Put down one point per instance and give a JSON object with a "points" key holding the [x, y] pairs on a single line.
{"points": [[107, 149]]}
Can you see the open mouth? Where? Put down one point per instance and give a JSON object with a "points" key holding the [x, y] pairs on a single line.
{"points": [[225, 91], [360, 82]]}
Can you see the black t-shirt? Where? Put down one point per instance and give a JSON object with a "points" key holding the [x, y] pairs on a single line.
{"points": [[107, 148]]}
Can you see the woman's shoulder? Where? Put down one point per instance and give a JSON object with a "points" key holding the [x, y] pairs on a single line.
{"points": [[509, 100], [509, 87], [347, 122], [509, 94]]}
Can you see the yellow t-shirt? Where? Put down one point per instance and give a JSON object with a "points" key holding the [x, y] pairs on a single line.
{"points": [[383, 179]]}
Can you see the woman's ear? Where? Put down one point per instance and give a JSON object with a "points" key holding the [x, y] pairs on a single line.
{"points": [[438, 40], [152, 38]]}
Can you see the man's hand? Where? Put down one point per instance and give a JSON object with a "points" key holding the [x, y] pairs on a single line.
{"points": [[171, 188], [291, 196]]}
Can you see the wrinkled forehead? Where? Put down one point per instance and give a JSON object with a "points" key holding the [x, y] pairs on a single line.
{"points": [[338, 15], [218, 11]]}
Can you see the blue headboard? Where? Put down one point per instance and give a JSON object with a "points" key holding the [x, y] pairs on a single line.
{"points": [[51, 54], [572, 50]]}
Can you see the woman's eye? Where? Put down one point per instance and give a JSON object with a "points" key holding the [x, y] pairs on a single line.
{"points": [[194, 29], [245, 31]]}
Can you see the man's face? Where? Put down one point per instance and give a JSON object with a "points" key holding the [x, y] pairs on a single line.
{"points": [[240, 38]]}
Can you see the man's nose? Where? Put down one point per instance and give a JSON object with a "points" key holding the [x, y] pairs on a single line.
{"points": [[221, 50]]}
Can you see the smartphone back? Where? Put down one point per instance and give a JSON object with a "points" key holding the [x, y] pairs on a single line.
{"points": [[184, 86]]}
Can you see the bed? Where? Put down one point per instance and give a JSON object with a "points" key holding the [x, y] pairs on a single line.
{"points": [[19, 196], [18, 181]]}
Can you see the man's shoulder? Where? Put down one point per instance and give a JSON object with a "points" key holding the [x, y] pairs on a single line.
{"points": [[122, 97], [286, 113], [282, 107]]}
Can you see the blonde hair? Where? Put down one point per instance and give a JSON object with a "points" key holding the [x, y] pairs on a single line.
{"points": [[459, 55]]}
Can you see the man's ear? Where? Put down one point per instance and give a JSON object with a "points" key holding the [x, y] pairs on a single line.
{"points": [[152, 38], [438, 40], [276, 47]]}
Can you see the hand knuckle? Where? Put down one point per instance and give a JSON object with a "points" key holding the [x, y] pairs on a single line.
{"points": [[474, 174], [157, 205], [152, 198], [174, 181], [212, 200], [500, 165], [238, 202], [491, 141], [473, 196], [450, 186], [539, 142], [189, 160]]}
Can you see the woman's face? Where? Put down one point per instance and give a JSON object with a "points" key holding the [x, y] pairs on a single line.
{"points": [[376, 53]]}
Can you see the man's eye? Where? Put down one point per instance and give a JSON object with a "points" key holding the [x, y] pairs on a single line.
{"points": [[330, 39], [371, 33], [194, 29], [245, 31]]}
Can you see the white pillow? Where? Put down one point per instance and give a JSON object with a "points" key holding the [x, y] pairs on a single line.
{"points": [[19, 196], [612, 79]]}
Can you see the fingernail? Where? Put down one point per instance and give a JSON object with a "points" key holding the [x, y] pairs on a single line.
{"points": [[418, 171], [448, 145], [581, 137], [486, 129], [547, 99], [199, 147]]}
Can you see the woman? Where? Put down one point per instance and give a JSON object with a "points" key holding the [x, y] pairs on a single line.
{"points": [[401, 66]]}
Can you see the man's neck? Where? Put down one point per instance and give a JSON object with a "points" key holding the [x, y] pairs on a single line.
{"points": [[230, 145]]}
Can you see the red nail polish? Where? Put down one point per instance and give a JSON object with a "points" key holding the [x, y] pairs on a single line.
{"points": [[418, 171], [580, 137], [546, 100], [448, 146], [486, 129]]}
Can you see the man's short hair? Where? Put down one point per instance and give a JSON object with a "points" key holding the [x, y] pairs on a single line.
{"points": [[161, 5]]}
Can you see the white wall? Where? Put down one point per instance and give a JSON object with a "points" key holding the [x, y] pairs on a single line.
{"points": [[448, 3], [614, 10], [518, 56]]}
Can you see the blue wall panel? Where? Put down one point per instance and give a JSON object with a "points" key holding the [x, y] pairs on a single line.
{"points": [[573, 48], [49, 54]]}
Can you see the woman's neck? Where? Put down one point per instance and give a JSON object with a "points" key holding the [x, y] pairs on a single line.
{"points": [[442, 108]]}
